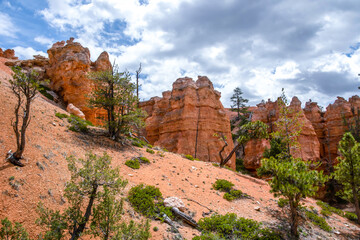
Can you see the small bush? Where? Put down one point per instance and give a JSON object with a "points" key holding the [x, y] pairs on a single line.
{"points": [[61, 115], [149, 145], [318, 221], [43, 90], [10, 231], [233, 194], [215, 164], [139, 231], [11, 178], [327, 210], [137, 144], [165, 150], [228, 168], [148, 201], [282, 202], [223, 185], [351, 216], [155, 229], [133, 163], [161, 154], [150, 151], [144, 160], [78, 124], [230, 227], [240, 167], [188, 156]]}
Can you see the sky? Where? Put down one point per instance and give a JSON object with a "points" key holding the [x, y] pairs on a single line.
{"points": [[309, 48]]}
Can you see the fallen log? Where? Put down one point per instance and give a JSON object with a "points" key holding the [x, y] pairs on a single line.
{"points": [[186, 218]]}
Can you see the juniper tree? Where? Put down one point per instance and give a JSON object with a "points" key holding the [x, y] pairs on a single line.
{"points": [[347, 172], [114, 92], [24, 86]]}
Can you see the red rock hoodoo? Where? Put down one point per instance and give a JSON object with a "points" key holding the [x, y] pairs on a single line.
{"points": [[8, 53], [69, 65], [185, 120]]}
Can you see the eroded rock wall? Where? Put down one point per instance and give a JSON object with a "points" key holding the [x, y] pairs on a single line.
{"points": [[321, 131], [185, 120]]}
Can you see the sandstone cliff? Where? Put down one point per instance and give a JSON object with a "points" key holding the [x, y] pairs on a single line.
{"points": [[185, 119]]}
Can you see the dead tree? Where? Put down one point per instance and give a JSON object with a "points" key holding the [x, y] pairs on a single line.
{"points": [[137, 83], [24, 86]]}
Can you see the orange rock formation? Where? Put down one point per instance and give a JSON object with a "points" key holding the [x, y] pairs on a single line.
{"points": [[69, 65], [185, 119], [321, 131]]}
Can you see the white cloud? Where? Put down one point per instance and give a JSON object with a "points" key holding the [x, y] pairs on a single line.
{"points": [[237, 43], [44, 41], [27, 53], [7, 28]]}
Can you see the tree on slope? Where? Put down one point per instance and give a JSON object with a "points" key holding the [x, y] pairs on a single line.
{"points": [[347, 171], [292, 179], [114, 92], [24, 86]]}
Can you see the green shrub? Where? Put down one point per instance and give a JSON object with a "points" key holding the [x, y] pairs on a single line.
{"points": [[230, 227], [43, 90], [10, 231], [318, 221], [351, 216], [327, 210], [148, 201], [144, 160], [282, 202], [149, 145], [228, 168], [233, 194], [215, 164], [61, 115], [137, 144], [133, 163], [188, 156], [155, 229], [150, 151], [240, 167], [11, 178], [165, 150], [223, 185], [161, 154], [78, 124]]}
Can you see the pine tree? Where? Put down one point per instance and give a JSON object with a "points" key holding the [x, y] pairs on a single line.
{"points": [[292, 179], [239, 105], [347, 172]]}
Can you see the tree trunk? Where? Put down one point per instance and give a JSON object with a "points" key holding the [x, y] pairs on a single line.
{"points": [[294, 219], [230, 155], [26, 120], [356, 202], [77, 232]]}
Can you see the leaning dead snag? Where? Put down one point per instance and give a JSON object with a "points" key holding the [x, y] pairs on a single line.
{"points": [[251, 130]]}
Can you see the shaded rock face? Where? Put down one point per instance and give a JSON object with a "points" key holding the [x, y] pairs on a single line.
{"points": [[69, 65], [185, 119], [321, 131]]}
